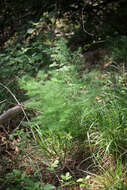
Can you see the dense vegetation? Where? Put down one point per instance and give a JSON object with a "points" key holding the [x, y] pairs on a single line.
{"points": [[63, 95]]}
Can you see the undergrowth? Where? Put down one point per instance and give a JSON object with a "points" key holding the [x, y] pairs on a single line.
{"points": [[65, 104], [72, 111], [15, 61]]}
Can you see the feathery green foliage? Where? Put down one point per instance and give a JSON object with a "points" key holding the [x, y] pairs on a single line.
{"points": [[64, 103]]}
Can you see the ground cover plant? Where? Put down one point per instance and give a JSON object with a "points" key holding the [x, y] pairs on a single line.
{"points": [[76, 109], [72, 132]]}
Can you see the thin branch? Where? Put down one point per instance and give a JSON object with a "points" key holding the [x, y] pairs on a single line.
{"points": [[85, 171], [83, 25], [18, 125]]}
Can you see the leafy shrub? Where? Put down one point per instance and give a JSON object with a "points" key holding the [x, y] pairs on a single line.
{"points": [[19, 180], [16, 61]]}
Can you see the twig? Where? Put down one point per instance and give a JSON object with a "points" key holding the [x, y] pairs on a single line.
{"points": [[1, 126], [83, 25], [3, 101], [18, 125], [85, 171], [10, 92], [84, 161]]}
